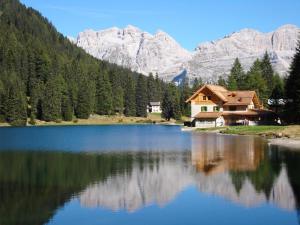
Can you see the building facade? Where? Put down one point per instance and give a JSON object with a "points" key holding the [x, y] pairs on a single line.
{"points": [[214, 106], [154, 107]]}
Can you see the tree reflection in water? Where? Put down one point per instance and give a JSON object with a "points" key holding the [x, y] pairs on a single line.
{"points": [[244, 170]]}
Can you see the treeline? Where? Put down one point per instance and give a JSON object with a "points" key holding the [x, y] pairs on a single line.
{"points": [[44, 76], [261, 78]]}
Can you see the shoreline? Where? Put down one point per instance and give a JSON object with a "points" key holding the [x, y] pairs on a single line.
{"points": [[284, 136], [97, 120]]}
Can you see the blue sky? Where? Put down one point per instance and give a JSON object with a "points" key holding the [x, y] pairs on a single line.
{"points": [[188, 21]]}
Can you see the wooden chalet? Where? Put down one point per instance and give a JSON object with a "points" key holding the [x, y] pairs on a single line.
{"points": [[213, 106]]}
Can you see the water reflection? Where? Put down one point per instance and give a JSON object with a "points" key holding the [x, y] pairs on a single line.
{"points": [[243, 170], [212, 153]]}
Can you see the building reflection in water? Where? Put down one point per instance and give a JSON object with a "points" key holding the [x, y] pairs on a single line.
{"points": [[213, 153], [236, 168]]}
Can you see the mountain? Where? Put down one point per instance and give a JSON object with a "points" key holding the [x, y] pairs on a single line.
{"points": [[160, 53], [135, 49]]}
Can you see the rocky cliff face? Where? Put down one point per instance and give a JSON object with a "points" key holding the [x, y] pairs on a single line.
{"points": [[132, 48], [160, 53], [212, 59]]}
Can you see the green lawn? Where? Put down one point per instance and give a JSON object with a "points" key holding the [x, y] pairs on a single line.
{"points": [[252, 129]]}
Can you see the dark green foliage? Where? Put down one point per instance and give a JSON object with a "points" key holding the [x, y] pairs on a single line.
{"points": [[141, 97], [277, 92], [236, 79], [104, 95], [51, 103], [117, 93], [197, 83], [59, 78], [151, 89], [267, 73], [15, 104], [84, 105], [171, 103], [292, 90], [256, 82], [66, 108], [221, 81], [130, 107], [185, 93]]}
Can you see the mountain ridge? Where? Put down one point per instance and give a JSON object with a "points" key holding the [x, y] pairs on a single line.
{"points": [[160, 53]]}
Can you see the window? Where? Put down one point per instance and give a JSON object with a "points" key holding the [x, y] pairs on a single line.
{"points": [[204, 98], [232, 108], [203, 108], [209, 97], [216, 108]]}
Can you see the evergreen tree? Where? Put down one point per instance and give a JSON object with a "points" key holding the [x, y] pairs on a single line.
{"points": [[104, 95], [267, 73], [221, 81], [232, 83], [236, 79], [84, 108], [256, 82], [197, 83], [130, 109], [15, 104], [185, 93], [292, 90], [118, 92], [66, 108], [277, 92], [51, 103], [141, 97], [171, 103], [2, 103], [151, 89]]}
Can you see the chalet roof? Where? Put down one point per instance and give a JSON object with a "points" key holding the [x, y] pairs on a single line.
{"points": [[251, 112], [229, 97], [209, 115], [239, 97]]}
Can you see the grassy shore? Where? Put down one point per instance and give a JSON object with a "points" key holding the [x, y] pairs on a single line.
{"points": [[268, 131], [105, 120]]}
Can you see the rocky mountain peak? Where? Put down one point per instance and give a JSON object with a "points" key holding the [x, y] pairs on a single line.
{"points": [[160, 53]]}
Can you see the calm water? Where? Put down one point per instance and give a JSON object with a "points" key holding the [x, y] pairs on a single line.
{"points": [[146, 174]]}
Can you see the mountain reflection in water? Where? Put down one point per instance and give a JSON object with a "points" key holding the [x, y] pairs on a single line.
{"points": [[244, 170], [230, 167]]}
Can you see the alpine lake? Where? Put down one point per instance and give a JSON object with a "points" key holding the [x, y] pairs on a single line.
{"points": [[144, 175]]}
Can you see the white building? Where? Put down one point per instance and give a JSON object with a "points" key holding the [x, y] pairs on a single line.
{"points": [[154, 107]]}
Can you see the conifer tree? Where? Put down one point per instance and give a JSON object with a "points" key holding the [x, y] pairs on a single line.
{"points": [[221, 81], [185, 93], [267, 73], [236, 79], [141, 96], [277, 92], [197, 83], [256, 82], [51, 103], [104, 95], [118, 92], [171, 103], [232, 83], [66, 108], [83, 108], [151, 89], [130, 109], [2, 104], [292, 90], [15, 104]]}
